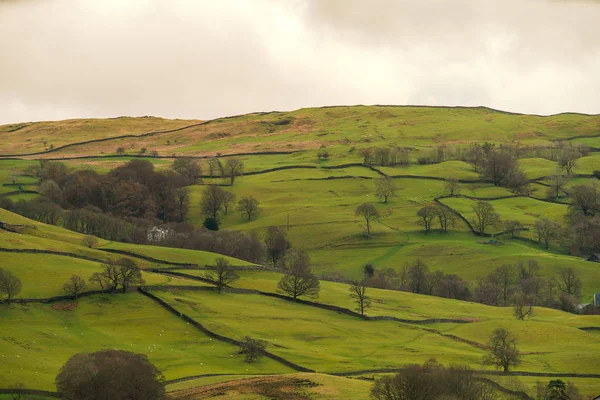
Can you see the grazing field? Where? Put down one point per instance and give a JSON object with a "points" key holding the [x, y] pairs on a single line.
{"points": [[32, 353], [314, 199]]}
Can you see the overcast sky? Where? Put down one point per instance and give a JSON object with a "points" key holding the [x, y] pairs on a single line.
{"points": [[207, 58]]}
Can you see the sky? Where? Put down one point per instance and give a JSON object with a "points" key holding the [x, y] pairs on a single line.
{"points": [[203, 59]]}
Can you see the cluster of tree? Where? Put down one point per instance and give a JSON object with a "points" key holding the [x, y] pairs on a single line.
{"points": [[134, 189], [216, 202], [383, 156], [433, 381], [110, 374], [556, 389], [522, 286], [124, 273], [10, 285], [417, 278], [583, 219], [519, 285], [431, 213], [500, 166]]}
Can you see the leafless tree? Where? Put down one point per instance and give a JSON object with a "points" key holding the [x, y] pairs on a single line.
{"points": [[276, 244], [385, 188], [568, 282], [212, 201], [485, 216], [446, 217], [567, 159], [228, 199], [249, 205], [523, 307], [299, 279], [426, 216], [188, 168], [504, 353], [369, 213], [101, 280], [547, 231], [452, 186], [10, 285], [358, 292], [513, 227], [557, 183], [223, 274], [74, 286], [234, 167], [213, 166], [505, 280]]}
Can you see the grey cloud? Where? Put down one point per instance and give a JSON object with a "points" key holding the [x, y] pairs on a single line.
{"points": [[204, 59]]}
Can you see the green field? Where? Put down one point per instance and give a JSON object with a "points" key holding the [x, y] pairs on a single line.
{"points": [[316, 205]]}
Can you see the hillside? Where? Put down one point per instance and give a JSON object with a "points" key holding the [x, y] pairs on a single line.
{"points": [[314, 200]]}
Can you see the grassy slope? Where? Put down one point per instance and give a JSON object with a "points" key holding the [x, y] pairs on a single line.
{"points": [[33, 353], [322, 218], [38, 136], [339, 127]]}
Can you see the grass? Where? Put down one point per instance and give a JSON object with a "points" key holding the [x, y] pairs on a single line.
{"points": [[328, 341], [318, 204], [173, 254], [315, 338], [32, 353]]}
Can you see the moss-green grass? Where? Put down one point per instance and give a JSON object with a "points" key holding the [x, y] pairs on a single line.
{"points": [[315, 338], [33, 351]]}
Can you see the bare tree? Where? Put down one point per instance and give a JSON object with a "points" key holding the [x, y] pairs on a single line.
{"points": [[228, 199], [249, 205], [426, 216], [224, 274], [446, 217], [567, 159], [74, 286], [369, 213], [452, 186], [299, 279], [417, 276], [385, 188], [513, 227], [188, 168], [504, 353], [129, 274], [485, 216], [557, 183], [584, 199], [276, 244], [212, 201], [10, 285], [213, 166], [499, 167], [547, 231], [101, 280], [505, 280], [522, 308], [182, 203], [234, 167], [568, 282], [358, 292]]}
